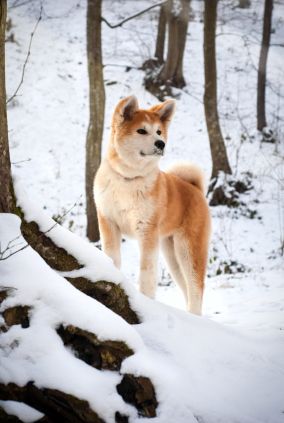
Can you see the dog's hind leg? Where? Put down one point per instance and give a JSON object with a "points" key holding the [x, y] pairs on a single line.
{"points": [[192, 261], [167, 245]]}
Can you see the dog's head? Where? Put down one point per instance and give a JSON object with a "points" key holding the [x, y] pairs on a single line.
{"points": [[140, 135]]}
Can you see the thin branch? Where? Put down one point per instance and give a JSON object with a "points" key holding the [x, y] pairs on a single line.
{"points": [[16, 4], [21, 161], [127, 67], [9, 245], [14, 252], [27, 58], [133, 16], [193, 96], [63, 16]]}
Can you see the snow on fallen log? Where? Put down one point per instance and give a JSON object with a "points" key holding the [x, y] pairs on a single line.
{"points": [[15, 412], [77, 260], [34, 355]]}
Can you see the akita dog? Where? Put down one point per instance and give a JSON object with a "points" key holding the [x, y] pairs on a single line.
{"points": [[134, 197]]}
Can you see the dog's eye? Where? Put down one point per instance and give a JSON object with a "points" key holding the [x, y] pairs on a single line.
{"points": [[159, 132], [142, 131]]}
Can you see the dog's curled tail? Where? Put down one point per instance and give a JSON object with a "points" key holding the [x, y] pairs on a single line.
{"points": [[190, 173]]}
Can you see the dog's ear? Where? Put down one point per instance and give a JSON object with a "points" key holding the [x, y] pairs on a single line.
{"points": [[126, 108], [165, 110]]}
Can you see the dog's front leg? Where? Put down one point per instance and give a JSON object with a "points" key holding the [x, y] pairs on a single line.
{"points": [[110, 238], [148, 244]]}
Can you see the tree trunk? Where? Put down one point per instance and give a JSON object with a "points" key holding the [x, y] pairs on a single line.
{"points": [[97, 107], [178, 78], [177, 16], [160, 42], [217, 145], [6, 192], [244, 4], [261, 75]]}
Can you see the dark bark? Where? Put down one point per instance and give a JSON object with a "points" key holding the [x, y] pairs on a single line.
{"points": [[61, 407], [18, 315], [139, 392], [261, 74], [103, 355], [56, 257], [160, 41], [218, 150], [109, 294], [244, 4], [56, 405], [97, 107], [6, 192]]}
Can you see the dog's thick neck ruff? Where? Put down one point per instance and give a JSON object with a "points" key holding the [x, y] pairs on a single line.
{"points": [[125, 178], [130, 172]]}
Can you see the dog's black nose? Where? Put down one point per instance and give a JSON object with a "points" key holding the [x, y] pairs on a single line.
{"points": [[160, 144]]}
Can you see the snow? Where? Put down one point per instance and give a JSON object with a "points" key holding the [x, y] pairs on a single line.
{"points": [[39, 350], [229, 368], [22, 411], [200, 369]]}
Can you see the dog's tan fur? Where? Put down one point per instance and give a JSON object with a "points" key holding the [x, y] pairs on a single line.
{"points": [[135, 198]]}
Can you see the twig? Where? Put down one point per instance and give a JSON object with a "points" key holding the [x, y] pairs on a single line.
{"points": [[15, 252], [193, 96], [133, 16], [21, 161], [65, 15], [16, 4], [121, 66], [9, 245], [27, 58]]}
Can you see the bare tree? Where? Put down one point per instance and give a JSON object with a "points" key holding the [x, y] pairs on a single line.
{"points": [[6, 197], [218, 150], [261, 74], [160, 41], [171, 73], [97, 109]]}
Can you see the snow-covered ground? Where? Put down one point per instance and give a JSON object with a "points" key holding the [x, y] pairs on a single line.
{"points": [[201, 370], [49, 117]]}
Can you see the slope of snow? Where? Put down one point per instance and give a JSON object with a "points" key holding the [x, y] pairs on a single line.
{"points": [[202, 371], [21, 410]]}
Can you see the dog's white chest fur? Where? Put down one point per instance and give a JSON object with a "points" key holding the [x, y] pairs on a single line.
{"points": [[124, 200]]}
